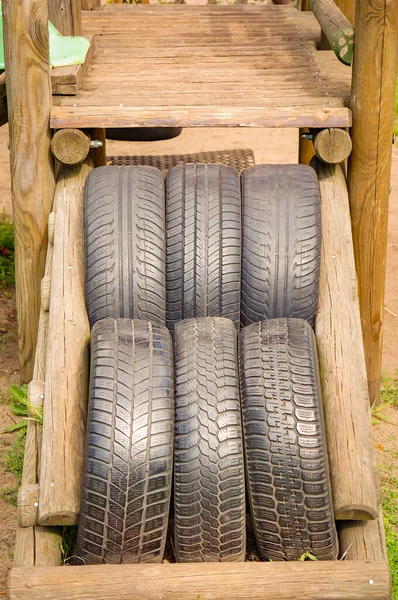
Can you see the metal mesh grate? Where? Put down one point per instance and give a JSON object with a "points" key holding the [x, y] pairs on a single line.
{"points": [[237, 158]]}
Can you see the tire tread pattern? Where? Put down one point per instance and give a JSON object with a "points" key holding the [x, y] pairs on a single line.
{"points": [[125, 244], [285, 449], [209, 486], [281, 243], [129, 444], [203, 214]]}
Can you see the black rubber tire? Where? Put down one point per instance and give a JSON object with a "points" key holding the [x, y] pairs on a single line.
{"points": [[142, 134], [209, 485], [129, 444], [125, 244], [287, 468], [203, 216], [281, 243]]}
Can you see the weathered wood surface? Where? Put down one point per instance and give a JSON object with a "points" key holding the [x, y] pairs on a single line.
{"points": [[28, 502], [363, 540], [202, 52], [345, 580], [91, 4], [66, 16], [332, 146], [70, 146], [32, 178], [373, 92], [336, 27], [67, 80], [66, 379], [341, 358]]}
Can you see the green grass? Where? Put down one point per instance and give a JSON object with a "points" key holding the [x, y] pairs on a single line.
{"points": [[389, 397], [7, 258], [390, 517]]}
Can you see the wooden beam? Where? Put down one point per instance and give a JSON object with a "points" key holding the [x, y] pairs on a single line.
{"points": [[66, 16], [32, 177], [373, 92], [306, 147], [363, 540], [328, 580], [66, 379], [337, 29], [341, 358]]}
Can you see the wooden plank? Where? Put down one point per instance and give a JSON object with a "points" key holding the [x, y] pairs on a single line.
{"points": [[217, 116], [32, 177], [66, 16], [334, 580], [66, 380], [373, 92], [341, 358], [67, 80]]}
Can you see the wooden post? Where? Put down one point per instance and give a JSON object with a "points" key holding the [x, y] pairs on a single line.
{"points": [[372, 103], [348, 8], [98, 155], [341, 358], [306, 147], [66, 378], [66, 16], [363, 540], [32, 178]]}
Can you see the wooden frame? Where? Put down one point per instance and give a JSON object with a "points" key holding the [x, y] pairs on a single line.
{"points": [[364, 575]]}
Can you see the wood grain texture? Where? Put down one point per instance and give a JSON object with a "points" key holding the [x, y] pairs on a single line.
{"points": [[70, 146], [66, 379], [336, 27], [332, 146], [98, 155], [28, 501], [91, 4], [202, 52], [334, 580], [341, 358], [373, 92], [66, 16], [348, 8], [363, 540], [32, 178]]}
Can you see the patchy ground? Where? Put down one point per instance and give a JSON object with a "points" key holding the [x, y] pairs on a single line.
{"points": [[273, 146]]}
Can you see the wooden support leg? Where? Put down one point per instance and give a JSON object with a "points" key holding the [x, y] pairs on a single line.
{"points": [[98, 155], [66, 16], [32, 178], [373, 91], [306, 148]]}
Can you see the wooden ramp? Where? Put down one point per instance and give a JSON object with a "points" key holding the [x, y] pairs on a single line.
{"points": [[191, 66]]}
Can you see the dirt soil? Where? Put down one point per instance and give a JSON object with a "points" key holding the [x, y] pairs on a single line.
{"points": [[272, 146]]}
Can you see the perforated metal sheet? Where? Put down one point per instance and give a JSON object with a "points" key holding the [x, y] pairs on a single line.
{"points": [[237, 158]]}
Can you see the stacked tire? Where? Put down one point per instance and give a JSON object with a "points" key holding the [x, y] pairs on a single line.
{"points": [[235, 411]]}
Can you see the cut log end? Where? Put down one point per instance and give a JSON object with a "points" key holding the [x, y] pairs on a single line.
{"points": [[28, 504], [333, 146], [70, 146], [64, 518], [354, 512]]}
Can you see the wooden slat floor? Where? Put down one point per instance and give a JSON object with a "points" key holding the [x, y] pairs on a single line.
{"points": [[189, 66]]}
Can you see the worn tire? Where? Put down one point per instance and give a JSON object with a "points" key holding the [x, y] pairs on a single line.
{"points": [[142, 134], [125, 244], [281, 243], [129, 444], [203, 216], [209, 486], [285, 449]]}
